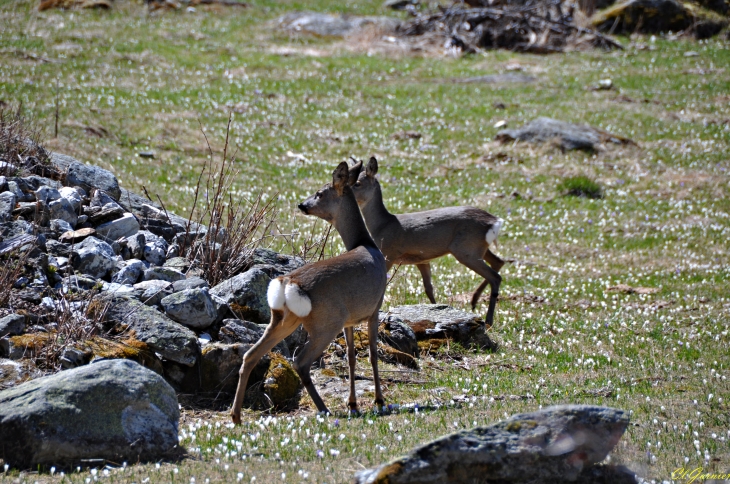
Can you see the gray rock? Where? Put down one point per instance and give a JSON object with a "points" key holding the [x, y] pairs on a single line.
{"points": [[125, 290], [192, 307], [130, 272], [7, 205], [15, 189], [218, 369], [552, 445], [400, 4], [80, 282], [15, 228], [163, 274], [102, 199], [441, 321], [47, 194], [115, 409], [93, 257], [281, 264], [240, 331], [245, 294], [86, 177], [153, 291], [189, 283], [62, 209], [327, 25], [135, 244], [12, 324], [171, 340], [60, 226], [9, 349], [182, 264], [3, 183], [74, 357], [121, 227], [73, 196], [154, 250], [568, 136], [395, 333]]}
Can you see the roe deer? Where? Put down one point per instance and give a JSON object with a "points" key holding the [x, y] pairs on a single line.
{"points": [[326, 296], [417, 238]]}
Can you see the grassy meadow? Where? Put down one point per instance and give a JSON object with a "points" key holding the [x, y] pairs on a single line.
{"points": [[571, 331]]}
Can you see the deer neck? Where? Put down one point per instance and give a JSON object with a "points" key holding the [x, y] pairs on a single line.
{"points": [[350, 226], [375, 213]]}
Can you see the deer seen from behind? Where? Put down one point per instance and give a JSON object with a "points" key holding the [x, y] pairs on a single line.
{"points": [[419, 237], [326, 296]]}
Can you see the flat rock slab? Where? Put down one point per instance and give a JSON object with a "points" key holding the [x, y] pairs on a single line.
{"points": [[171, 340], [440, 321], [327, 25], [114, 409], [556, 444], [87, 177], [567, 136]]}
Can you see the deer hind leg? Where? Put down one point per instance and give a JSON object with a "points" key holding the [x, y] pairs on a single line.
{"points": [[426, 275], [279, 328], [350, 339], [492, 278], [318, 341], [496, 263], [373, 340]]}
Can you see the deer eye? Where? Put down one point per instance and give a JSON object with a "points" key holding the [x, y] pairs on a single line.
{"points": [[318, 194], [357, 184]]}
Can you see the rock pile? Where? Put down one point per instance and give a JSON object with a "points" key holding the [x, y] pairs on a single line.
{"points": [[100, 276]]}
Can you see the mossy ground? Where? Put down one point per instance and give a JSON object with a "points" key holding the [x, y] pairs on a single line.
{"points": [[127, 82]]}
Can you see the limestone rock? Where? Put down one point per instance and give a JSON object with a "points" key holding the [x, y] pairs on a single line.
{"points": [[72, 195], [12, 324], [189, 283], [171, 340], [121, 227], [114, 409], [93, 257], [163, 274], [245, 294], [130, 272], [62, 208], [192, 307], [85, 176], [568, 136], [7, 205], [440, 321], [552, 445], [153, 291]]}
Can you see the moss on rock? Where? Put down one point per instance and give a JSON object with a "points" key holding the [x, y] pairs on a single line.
{"points": [[281, 382]]}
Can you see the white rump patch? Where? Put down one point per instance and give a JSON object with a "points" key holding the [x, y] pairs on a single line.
{"points": [[297, 300], [493, 232], [275, 294]]}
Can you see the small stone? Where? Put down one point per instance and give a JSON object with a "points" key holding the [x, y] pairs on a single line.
{"points": [[93, 257], [500, 124], [605, 84], [163, 274], [72, 195], [191, 307], [153, 291], [47, 194], [121, 227], [130, 273], [63, 209], [7, 205], [189, 283], [12, 325], [146, 154], [61, 226], [76, 235]]}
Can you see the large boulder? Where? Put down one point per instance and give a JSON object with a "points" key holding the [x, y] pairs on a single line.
{"points": [[556, 444], [280, 264], [440, 321], [85, 176], [115, 410], [171, 340], [245, 294], [567, 136]]}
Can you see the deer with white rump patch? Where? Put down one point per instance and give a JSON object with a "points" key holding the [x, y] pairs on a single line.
{"points": [[326, 296], [417, 238]]}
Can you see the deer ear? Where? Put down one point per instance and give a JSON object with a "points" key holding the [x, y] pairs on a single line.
{"points": [[340, 177], [354, 172], [372, 169]]}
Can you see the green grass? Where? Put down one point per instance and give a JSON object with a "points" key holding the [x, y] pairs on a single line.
{"points": [[152, 80], [580, 186]]}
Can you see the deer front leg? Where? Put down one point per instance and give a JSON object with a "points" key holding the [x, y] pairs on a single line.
{"points": [[350, 339], [426, 275], [373, 340], [492, 278], [277, 330]]}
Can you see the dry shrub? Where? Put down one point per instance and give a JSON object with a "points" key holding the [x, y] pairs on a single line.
{"points": [[234, 227], [20, 148]]}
